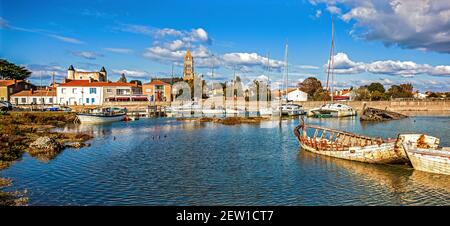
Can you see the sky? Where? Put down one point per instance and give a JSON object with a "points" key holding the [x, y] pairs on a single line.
{"points": [[386, 41]]}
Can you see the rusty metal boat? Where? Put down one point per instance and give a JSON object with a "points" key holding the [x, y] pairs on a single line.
{"points": [[350, 146]]}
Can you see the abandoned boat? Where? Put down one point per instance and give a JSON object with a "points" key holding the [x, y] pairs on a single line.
{"points": [[102, 115], [425, 154], [350, 146]]}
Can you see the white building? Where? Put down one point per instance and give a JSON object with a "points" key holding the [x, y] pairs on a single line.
{"points": [[26, 97], [88, 92], [297, 95]]}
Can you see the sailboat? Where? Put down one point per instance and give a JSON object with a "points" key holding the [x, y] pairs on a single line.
{"points": [[332, 109]]}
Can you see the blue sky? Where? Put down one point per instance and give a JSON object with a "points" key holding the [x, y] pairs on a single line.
{"points": [[383, 41]]}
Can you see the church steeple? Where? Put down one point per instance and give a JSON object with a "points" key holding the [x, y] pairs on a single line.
{"points": [[188, 69]]}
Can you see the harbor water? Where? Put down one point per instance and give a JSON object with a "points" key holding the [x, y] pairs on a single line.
{"points": [[169, 162]]}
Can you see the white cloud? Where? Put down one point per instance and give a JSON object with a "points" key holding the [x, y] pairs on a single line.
{"points": [[4, 24], [119, 50], [411, 24], [344, 65], [318, 13], [87, 55], [132, 73]]}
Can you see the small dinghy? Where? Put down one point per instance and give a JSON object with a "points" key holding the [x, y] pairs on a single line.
{"points": [[425, 153], [346, 145]]}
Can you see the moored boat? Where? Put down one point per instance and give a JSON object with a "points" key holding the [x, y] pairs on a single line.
{"points": [[292, 109], [102, 115], [425, 154], [350, 146], [332, 110]]}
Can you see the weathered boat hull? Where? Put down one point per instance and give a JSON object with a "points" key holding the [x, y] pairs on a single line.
{"points": [[364, 149], [93, 119], [378, 154], [429, 163], [432, 158]]}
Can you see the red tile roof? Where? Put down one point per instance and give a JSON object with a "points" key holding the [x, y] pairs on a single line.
{"points": [[87, 83], [157, 82], [39, 93], [9, 82]]}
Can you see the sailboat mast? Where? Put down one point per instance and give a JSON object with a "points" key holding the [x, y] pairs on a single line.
{"points": [[286, 70], [330, 62]]}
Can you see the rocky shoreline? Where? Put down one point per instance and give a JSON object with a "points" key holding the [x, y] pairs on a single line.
{"points": [[31, 132]]}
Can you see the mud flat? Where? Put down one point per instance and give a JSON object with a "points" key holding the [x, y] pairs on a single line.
{"points": [[228, 120]]}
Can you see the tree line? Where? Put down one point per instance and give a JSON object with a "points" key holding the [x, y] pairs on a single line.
{"points": [[374, 91]]}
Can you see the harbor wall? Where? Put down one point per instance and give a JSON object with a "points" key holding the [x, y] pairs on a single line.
{"points": [[409, 107]]}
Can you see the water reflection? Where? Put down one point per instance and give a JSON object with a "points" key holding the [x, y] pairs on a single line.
{"points": [[170, 162]]}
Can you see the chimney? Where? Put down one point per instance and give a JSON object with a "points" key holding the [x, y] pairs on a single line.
{"points": [[90, 80]]}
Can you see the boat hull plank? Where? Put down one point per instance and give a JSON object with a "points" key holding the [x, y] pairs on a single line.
{"points": [[349, 146]]}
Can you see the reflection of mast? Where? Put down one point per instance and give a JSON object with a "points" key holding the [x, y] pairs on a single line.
{"points": [[330, 64]]}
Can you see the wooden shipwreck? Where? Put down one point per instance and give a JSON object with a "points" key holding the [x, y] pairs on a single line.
{"points": [[375, 114], [425, 153], [350, 146]]}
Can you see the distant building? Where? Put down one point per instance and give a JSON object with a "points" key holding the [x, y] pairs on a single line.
{"points": [[89, 92], [157, 90], [344, 94], [420, 95], [297, 95], [10, 87], [188, 66], [41, 96], [99, 76]]}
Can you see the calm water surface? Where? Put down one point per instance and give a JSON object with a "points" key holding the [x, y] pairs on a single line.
{"points": [[167, 162]]}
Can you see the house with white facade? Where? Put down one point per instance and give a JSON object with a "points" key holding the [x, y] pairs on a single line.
{"points": [[297, 95], [89, 92], [41, 97]]}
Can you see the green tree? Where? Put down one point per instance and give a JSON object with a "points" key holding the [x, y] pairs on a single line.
{"points": [[362, 93], [377, 95], [400, 91], [11, 71], [310, 86], [376, 86]]}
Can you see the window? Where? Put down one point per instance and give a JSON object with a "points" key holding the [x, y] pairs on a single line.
{"points": [[11, 90], [34, 100], [109, 90], [16, 100], [26, 86], [63, 90], [87, 100], [92, 90], [92, 100], [50, 100], [24, 100], [74, 90]]}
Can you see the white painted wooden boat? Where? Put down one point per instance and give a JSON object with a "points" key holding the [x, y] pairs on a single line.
{"points": [[350, 146], [425, 154], [93, 118], [102, 115]]}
